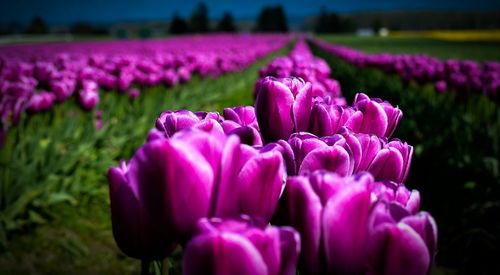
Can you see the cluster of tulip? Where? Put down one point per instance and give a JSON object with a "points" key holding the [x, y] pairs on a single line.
{"points": [[302, 63], [335, 195], [34, 77], [461, 77]]}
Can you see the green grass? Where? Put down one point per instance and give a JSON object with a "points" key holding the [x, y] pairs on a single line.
{"points": [[54, 207], [439, 48]]}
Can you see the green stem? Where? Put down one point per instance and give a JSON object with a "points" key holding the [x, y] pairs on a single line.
{"points": [[164, 266]]}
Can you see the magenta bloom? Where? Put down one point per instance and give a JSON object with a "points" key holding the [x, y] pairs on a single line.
{"points": [[399, 242], [378, 117], [241, 246], [220, 177], [136, 229], [283, 106], [342, 231], [42, 101]]}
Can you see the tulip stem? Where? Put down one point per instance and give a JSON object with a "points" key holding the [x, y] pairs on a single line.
{"points": [[145, 267], [164, 266]]}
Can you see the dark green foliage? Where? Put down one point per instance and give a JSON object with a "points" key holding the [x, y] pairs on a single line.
{"points": [[226, 24], [178, 25], [199, 19], [37, 26], [82, 28], [331, 22], [455, 164], [272, 19]]}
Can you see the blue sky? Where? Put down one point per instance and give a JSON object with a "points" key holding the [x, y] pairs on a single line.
{"points": [[105, 11]]}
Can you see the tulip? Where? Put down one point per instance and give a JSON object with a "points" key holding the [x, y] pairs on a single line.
{"points": [[331, 214], [385, 160], [392, 162], [41, 102], [378, 118], [171, 122], [241, 246], [326, 118], [134, 93], [440, 86], [243, 115], [220, 177], [241, 121], [138, 232], [282, 107], [399, 242], [88, 96], [343, 228]]}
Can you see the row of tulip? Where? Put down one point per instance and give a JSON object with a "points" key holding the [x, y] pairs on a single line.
{"points": [[212, 183], [302, 63], [35, 77], [459, 76]]}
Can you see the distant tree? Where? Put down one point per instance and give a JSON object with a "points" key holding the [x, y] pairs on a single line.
{"points": [[272, 19], [226, 24], [199, 19], [333, 23], [178, 25], [376, 25], [86, 28], [37, 26], [322, 24]]}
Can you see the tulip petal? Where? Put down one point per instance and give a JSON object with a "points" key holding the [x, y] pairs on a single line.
{"points": [[374, 119], [175, 182], [273, 108], [320, 121], [302, 108], [134, 232], [260, 183], [345, 228], [222, 254], [304, 214], [426, 227], [224, 199], [397, 249], [387, 165], [290, 249], [334, 159]]}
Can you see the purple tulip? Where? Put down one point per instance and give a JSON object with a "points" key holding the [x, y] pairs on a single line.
{"points": [[243, 115], [89, 95], [339, 222], [378, 118], [282, 107], [331, 215], [326, 118], [241, 246], [134, 93], [220, 177], [171, 122], [171, 77], [61, 90], [400, 243], [138, 232], [42, 101], [440, 86], [392, 162]]}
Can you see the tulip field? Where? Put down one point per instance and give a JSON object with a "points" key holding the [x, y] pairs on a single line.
{"points": [[247, 154]]}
